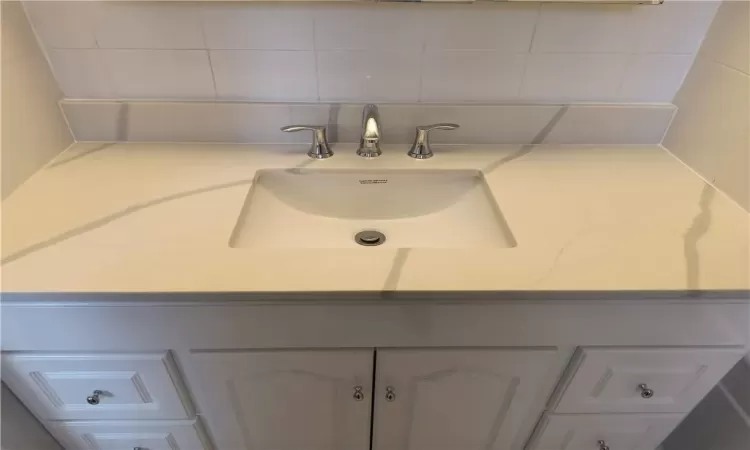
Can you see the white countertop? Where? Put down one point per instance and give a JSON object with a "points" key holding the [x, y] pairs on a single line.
{"points": [[158, 218]]}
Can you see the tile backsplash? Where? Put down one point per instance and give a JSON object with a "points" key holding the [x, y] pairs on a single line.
{"points": [[145, 121], [405, 53]]}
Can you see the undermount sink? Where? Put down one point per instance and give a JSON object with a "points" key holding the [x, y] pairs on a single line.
{"points": [[309, 208]]}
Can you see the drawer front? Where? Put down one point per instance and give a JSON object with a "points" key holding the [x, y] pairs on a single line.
{"points": [[97, 386], [630, 380], [597, 431], [127, 435]]}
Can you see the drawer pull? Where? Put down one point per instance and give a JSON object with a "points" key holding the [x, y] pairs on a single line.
{"points": [[390, 394], [358, 395], [93, 399], [602, 445], [645, 391]]}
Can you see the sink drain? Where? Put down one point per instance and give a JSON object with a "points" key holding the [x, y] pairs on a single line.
{"points": [[369, 238]]}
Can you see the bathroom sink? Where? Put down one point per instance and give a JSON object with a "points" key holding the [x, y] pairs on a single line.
{"points": [[309, 208]]}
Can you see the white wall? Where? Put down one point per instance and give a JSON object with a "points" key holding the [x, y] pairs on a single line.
{"points": [[371, 52], [711, 131], [21, 430], [33, 128]]}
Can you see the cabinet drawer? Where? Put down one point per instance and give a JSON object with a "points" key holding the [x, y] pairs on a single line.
{"points": [[630, 380], [121, 435], [97, 386], [596, 431]]}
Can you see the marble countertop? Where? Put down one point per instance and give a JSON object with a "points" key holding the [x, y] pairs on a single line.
{"points": [[156, 218]]}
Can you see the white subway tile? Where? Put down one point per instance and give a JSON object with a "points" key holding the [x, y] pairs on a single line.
{"points": [[265, 75], [82, 73], [369, 27], [210, 122], [674, 27], [63, 24], [94, 121], [654, 77], [713, 114], [489, 124], [149, 25], [588, 28], [368, 76], [471, 76], [573, 77], [728, 40], [144, 74], [506, 27], [611, 125], [258, 27]]}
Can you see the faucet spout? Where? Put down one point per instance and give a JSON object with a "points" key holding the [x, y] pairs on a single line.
{"points": [[369, 144]]}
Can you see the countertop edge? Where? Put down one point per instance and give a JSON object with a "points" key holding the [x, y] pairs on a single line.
{"points": [[59, 299]]}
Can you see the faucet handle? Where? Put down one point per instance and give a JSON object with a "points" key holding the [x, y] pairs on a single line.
{"points": [[420, 149], [319, 148]]}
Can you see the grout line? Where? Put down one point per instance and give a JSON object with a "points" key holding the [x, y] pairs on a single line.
{"points": [[45, 53], [705, 180], [422, 55], [67, 122], [422, 63], [315, 57], [715, 61], [669, 125]]}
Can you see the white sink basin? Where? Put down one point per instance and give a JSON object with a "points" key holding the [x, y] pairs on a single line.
{"points": [[308, 208]]}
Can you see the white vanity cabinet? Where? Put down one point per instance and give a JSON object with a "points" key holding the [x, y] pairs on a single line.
{"points": [[423, 373]]}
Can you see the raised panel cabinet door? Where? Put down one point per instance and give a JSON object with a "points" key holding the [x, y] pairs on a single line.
{"points": [[630, 379], [290, 400], [602, 431], [101, 386], [459, 399]]}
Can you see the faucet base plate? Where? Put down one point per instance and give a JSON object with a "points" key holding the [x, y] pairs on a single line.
{"points": [[369, 152]]}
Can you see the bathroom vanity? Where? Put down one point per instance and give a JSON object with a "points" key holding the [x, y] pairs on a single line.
{"points": [[200, 297]]}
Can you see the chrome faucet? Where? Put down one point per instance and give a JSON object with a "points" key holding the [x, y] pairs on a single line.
{"points": [[369, 144]]}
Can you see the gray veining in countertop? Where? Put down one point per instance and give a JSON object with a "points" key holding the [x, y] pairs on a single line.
{"points": [[589, 221]]}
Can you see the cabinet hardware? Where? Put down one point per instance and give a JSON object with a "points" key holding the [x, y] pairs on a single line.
{"points": [[93, 399], [602, 445], [390, 394], [358, 395], [645, 391]]}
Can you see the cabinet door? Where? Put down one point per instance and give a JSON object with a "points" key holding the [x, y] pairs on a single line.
{"points": [[459, 399], [291, 400]]}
